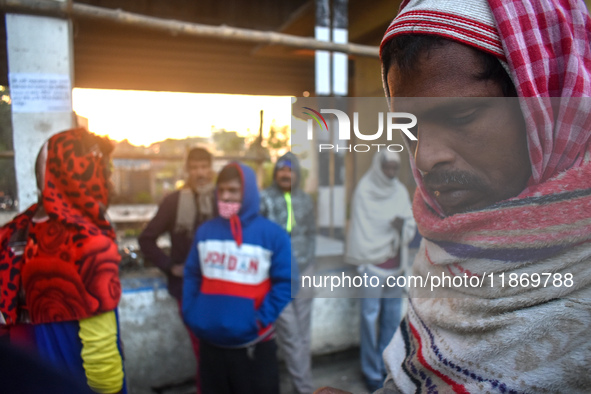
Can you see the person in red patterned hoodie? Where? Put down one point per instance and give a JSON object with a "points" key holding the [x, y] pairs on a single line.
{"points": [[59, 265]]}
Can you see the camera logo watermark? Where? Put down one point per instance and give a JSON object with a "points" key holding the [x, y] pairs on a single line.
{"points": [[344, 129]]}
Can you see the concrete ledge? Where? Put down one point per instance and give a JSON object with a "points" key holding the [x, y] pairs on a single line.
{"points": [[7, 216], [157, 346]]}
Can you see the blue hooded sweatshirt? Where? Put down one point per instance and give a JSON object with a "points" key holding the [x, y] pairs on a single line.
{"points": [[234, 291]]}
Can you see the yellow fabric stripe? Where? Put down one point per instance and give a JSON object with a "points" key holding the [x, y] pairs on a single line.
{"points": [[290, 218], [100, 355]]}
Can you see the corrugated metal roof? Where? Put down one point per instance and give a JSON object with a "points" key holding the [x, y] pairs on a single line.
{"points": [[251, 14], [111, 56]]}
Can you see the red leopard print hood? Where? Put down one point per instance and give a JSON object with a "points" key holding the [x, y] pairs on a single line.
{"points": [[66, 264], [76, 178]]}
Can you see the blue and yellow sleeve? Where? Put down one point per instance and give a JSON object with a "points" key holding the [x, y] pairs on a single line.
{"points": [[101, 357]]}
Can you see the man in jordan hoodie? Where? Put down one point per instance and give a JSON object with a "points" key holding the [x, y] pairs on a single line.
{"points": [[237, 281]]}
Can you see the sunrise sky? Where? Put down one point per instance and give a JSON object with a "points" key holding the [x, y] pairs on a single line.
{"points": [[146, 117]]}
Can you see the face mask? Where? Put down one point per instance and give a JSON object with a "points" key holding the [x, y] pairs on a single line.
{"points": [[228, 209]]}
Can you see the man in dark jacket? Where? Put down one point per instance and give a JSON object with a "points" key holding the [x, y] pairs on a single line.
{"points": [[180, 214], [288, 205]]}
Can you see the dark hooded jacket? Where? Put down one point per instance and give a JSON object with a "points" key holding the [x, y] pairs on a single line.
{"points": [[274, 207]]}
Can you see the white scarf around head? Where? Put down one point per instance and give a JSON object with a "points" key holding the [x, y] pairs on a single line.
{"points": [[377, 201]]}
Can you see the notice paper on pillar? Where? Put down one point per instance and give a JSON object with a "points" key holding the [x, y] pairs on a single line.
{"points": [[40, 92]]}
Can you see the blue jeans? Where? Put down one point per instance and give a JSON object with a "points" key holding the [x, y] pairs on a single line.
{"points": [[380, 317]]}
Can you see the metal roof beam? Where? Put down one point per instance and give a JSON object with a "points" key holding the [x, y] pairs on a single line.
{"points": [[77, 10]]}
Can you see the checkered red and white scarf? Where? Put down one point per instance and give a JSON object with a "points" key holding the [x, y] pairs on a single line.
{"points": [[546, 46], [509, 339]]}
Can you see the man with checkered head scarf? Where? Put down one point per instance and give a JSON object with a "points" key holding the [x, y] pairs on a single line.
{"points": [[501, 157]]}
